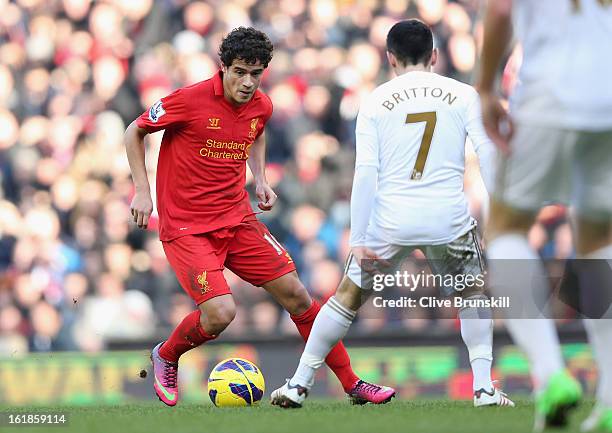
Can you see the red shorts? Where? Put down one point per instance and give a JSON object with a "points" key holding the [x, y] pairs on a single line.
{"points": [[247, 249]]}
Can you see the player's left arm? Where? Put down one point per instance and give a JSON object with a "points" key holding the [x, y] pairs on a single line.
{"points": [[497, 37], [257, 164], [362, 201], [365, 184]]}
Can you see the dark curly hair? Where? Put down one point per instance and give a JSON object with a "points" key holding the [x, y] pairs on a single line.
{"points": [[248, 44]]}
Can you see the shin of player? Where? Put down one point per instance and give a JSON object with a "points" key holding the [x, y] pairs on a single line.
{"points": [[330, 326]]}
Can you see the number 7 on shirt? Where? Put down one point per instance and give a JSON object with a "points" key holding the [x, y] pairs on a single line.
{"points": [[429, 118]]}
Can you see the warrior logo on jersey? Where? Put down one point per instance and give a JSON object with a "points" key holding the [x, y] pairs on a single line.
{"points": [[213, 123], [156, 111]]}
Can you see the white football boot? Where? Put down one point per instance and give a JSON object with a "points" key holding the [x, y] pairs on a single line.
{"points": [[289, 396], [491, 398]]}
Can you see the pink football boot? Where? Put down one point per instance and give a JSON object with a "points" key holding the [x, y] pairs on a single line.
{"points": [[364, 392], [165, 374]]}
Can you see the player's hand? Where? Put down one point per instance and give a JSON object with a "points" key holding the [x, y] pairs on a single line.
{"points": [[141, 208], [266, 196], [496, 120], [367, 259]]}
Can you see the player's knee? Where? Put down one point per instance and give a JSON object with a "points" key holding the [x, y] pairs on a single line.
{"points": [[296, 298], [349, 294], [504, 219], [215, 321]]}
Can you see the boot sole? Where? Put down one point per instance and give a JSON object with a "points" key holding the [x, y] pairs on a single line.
{"points": [[357, 401], [285, 403]]}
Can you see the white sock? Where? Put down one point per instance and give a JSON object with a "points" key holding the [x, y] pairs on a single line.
{"points": [[329, 327], [600, 337], [481, 370], [524, 281], [477, 334]]}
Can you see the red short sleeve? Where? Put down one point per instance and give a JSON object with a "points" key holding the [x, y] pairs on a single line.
{"points": [[269, 109], [168, 112]]}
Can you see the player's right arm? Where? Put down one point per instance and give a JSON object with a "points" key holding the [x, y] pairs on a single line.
{"points": [[142, 204], [168, 112]]}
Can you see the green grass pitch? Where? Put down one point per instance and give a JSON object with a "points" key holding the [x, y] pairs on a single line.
{"points": [[324, 416]]}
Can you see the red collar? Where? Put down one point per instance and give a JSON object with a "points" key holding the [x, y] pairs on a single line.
{"points": [[218, 84]]}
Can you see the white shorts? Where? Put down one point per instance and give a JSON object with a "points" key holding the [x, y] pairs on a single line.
{"points": [[461, 256], [548, 165]]}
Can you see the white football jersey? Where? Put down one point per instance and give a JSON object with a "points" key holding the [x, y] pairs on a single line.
{"points": [[565, 79], [413, 129]]}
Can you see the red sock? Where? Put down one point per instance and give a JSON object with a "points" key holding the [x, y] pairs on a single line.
{"points": [[338, 360], [187, 335]]}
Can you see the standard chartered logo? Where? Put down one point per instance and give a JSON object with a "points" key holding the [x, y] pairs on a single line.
{"points": [[224, 149]]}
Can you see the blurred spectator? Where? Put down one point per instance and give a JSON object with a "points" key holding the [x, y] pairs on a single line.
{"points": [[551, 234], [114, 313]]}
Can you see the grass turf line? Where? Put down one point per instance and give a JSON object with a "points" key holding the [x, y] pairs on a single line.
{"points": [[324, 416]]}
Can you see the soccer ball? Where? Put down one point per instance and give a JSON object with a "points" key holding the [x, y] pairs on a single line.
{"points": [[235, 382]]}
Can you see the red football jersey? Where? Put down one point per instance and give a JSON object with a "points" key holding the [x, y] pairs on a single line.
{"points": [[201, 171]]}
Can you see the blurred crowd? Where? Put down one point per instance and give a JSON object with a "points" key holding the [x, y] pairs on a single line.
{"points": [[75, 274]]}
